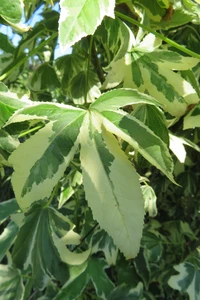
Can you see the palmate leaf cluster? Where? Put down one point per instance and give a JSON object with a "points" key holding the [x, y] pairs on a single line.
{"points": [[99, 150]]}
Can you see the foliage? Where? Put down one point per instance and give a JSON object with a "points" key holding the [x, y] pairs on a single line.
{"points": [[99, 149]]}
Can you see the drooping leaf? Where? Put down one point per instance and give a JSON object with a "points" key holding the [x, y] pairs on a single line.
{"points": [[188, 278], [149, 200], [94, 271], [76, 22], [11, 283], [141, 138], [115, 199], [57, 145], [7, 238], [41, 244]]}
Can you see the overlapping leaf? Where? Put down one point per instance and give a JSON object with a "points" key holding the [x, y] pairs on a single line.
{"points": [[7, 238], [41, 244], [76, 22], [153, 72]]}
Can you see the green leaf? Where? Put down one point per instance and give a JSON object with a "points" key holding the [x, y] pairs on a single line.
{"points": [[94, 271], [88, 90], [127, 293], [8, 208], [101, 241], [141, 138], [7, 238], [188, 278], [142, 267], [153, 245], [41, 244], [115, 199], [35, 178], [11, 10], [11, 283], [7, 142], [121, 97], [44, 78], [5, 44], [154, 119], [76, 22]]}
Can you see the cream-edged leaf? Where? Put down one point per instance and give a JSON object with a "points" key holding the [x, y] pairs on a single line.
{"points": [[112, 186], [76, 21], [41, 160], [121, 97], [141, 138], [188, 278]]}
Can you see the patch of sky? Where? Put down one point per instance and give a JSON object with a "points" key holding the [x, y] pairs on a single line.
{"points": [[36, 17]]}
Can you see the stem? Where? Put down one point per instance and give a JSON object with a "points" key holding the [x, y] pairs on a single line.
{"points": [[87, 234], [31, 53], [52, 196], [96, 64], [29, 131], [90, 40], [161, 36]]}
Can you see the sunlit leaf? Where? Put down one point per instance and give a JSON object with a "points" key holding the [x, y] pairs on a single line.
{"points": [[116, 200], [76, 22]]}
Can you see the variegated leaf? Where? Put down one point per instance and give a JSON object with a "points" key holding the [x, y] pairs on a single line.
{"points": [[192, 119], [41, 244], [188, 278], [46, 154], [7, 238], [11, 283], [7, 208], [118, 98], [76, 22], [112, 186], [101, 241], [152, 72], [141, 138], [94, 271]]}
